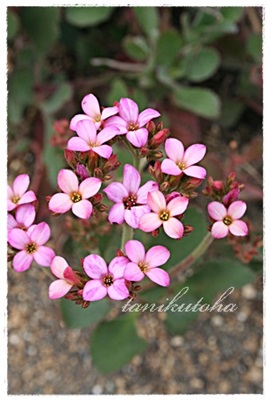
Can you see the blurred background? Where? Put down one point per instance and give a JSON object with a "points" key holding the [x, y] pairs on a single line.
{"points": [[201, 67]]}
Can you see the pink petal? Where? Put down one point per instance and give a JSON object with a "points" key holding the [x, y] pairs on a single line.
{"points": [[168, 166], [10, 205], [217, 210], [174, 149], [108, 112], [138, 138], [194, 154], [90, 106], [237, 209], [18, 238], [117, 266], [67, 181], [156, 201], [30, 230], [106, 134], [95, 266], [173, 228], [133, 272], [133, 216], [131, 179], [11, 222], [118, 290], [142, 193], [116, 213], [78, 144], [118, 122], [149, 222], [177, 205], [20, 184], [89, 187], [128, 110], [28, 197], [195, 171], [44, 256], [58, 289], [147, 115], [25, 215], [58, 266], [116, 192], [76, 119], [82, 209], [41, 233], [103, 151], [87, 130], [157, 256], [239, 228], [158, 276], [22, 261], [219, 230], [10, 192], [135, 251], [60, 203], [94, 290]]}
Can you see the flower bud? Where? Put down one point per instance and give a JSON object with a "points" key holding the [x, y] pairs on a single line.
{"points": [[119, 253], [158, 138], [151, 127], [98, 173], [81, 171], [217, 185], [70, 157], [97, 199], [231, 197], [144, 151]]}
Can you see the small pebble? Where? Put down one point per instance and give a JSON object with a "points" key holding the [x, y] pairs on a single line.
{"points": [[97, 389], [249, 292], [217, 320], [177, 341]]}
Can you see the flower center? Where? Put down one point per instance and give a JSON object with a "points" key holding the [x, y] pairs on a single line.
{"points": [[181, 165], [143, 266], [15, 199], [164, 215], [130, 201], [107, 280], [97, 118], [227, 220], [133, 127], [31, 248], [76, 197]]}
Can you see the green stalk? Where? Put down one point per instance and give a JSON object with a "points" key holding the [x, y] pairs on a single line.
{"points": [[127, 234]]}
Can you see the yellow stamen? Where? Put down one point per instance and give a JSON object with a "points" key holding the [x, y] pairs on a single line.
{"points": [[164, 215], [76, 197]]}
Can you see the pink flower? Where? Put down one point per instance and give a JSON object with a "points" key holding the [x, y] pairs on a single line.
{"points": [[75, 196], [181, 161], [31, 246], [163, 214], [24, 217], [130, 200], [130, 122], [146, 263], [91, 108], [227, 220], [88, 139], [105, 280], [66, 276], [18, 194]]}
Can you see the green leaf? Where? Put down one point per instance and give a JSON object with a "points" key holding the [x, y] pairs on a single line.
{"points": [[57, 100], [118, 90], [42, 25], [232, 14], [230, 112], [178, 323], [114, 343], [169, 45], [254, 47], [200, 101], [83, 17], [12, 25], [76, 317], [201, 64], [148, 20], [140, 98], [136, 47], [20, 93]]}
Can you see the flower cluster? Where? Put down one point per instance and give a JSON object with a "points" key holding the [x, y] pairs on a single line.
{"points": [[135, 203]]}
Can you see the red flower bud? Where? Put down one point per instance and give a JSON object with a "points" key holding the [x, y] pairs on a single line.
{"points": [[70, 157]]}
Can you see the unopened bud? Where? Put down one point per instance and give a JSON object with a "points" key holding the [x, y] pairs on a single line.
{"points": [[81, 171], [151, 127], [231, 197], [61, 126], [157, 155], [70, 157], [144, 151], [159, 126], [98, 172], [107, 177], [96, 199], [217, 185], [188, 229], [165, 186], [92, 160], [137, 288], [102, 207], [119, 253], [111, 164], [158, 138], [85, 304]]}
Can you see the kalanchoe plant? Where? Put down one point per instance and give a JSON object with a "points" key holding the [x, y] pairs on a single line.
{"points": [[142, 207]]}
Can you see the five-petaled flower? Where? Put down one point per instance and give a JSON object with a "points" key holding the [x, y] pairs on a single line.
{"points": [[142, 263], [164, 214], [131, 122], [227, 220], [18, 194], [91, 108], [31, 246], [75, 196], [24, 217], [182, 161], [89, 139], [105, 280], [66, 278], [130, 200]]}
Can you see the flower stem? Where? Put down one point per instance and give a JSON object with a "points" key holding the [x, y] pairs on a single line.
{"points": [[127, 234]]}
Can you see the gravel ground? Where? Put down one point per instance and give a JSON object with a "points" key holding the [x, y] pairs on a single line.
{"points": [[220, 354]]}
